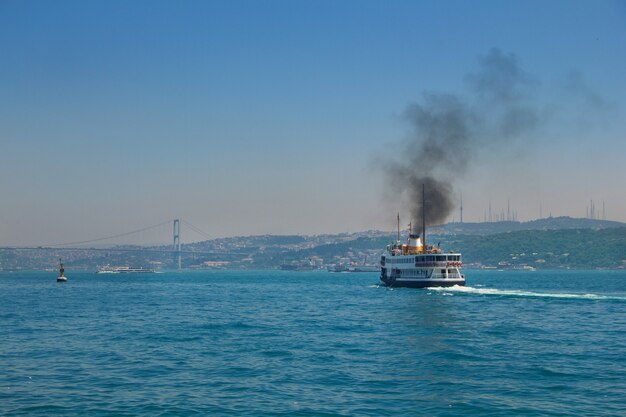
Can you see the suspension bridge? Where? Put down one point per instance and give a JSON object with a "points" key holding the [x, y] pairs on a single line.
{"points": [[176, 248]]}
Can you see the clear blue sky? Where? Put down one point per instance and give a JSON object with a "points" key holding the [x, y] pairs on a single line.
{"points": [[251, 117]]}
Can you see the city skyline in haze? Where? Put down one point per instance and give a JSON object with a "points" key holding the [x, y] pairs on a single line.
{"points": [[281, 117]]}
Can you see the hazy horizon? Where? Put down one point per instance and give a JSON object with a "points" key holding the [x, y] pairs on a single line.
{"points": [[248, 118]]}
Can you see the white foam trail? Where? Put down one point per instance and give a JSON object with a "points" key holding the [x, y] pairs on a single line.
{"points": [[521, 293]]}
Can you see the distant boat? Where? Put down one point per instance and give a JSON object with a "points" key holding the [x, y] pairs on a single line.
{"points": [[364, 268], [61, 277], [337, 268], [354, 268], [123, 270]]}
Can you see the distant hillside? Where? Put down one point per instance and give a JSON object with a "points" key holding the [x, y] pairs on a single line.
{"points": [[565, 248], [576, 248], [560, 242], [550, 223]]}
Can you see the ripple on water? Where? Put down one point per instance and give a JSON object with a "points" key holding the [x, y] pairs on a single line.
{"points": [[276, 343]]}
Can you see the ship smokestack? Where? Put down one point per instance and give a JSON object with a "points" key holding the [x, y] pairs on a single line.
{"points": [[424, 218], [398, 228]]}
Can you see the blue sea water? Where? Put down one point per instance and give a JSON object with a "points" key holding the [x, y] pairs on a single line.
{"points": [[274, 343]]}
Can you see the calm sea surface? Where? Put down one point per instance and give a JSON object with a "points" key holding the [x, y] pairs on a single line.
{"points": [[275, 343]]}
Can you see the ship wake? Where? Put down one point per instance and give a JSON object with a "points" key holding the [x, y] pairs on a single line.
{"points": [[522, 293]]}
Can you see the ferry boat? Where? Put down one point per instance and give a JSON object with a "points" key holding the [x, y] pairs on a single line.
{"points": [[123, 270], [61, 277], [417, 265]]}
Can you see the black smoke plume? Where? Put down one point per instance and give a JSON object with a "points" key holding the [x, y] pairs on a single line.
{"points": [[447, 130]]}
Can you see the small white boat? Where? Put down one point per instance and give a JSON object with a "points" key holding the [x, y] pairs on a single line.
{"points": [[61, 277], [123, 270]]}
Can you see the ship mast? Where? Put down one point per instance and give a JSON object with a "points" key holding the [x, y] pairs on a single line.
{"points": [[424, 219]]}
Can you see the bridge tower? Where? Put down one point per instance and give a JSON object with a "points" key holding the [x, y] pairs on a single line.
{"points": [[176, 248]]}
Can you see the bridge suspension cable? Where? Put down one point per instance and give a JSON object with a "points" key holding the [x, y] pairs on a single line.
{"points": [[196, 229], [112, 237]]}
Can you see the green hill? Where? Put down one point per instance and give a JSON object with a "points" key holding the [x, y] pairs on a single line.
{"points": [[567, 248], [548, 223], [553, 248]]}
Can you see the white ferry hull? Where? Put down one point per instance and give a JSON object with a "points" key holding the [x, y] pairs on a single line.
{"points": [[422, 270], [421, 283]]}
